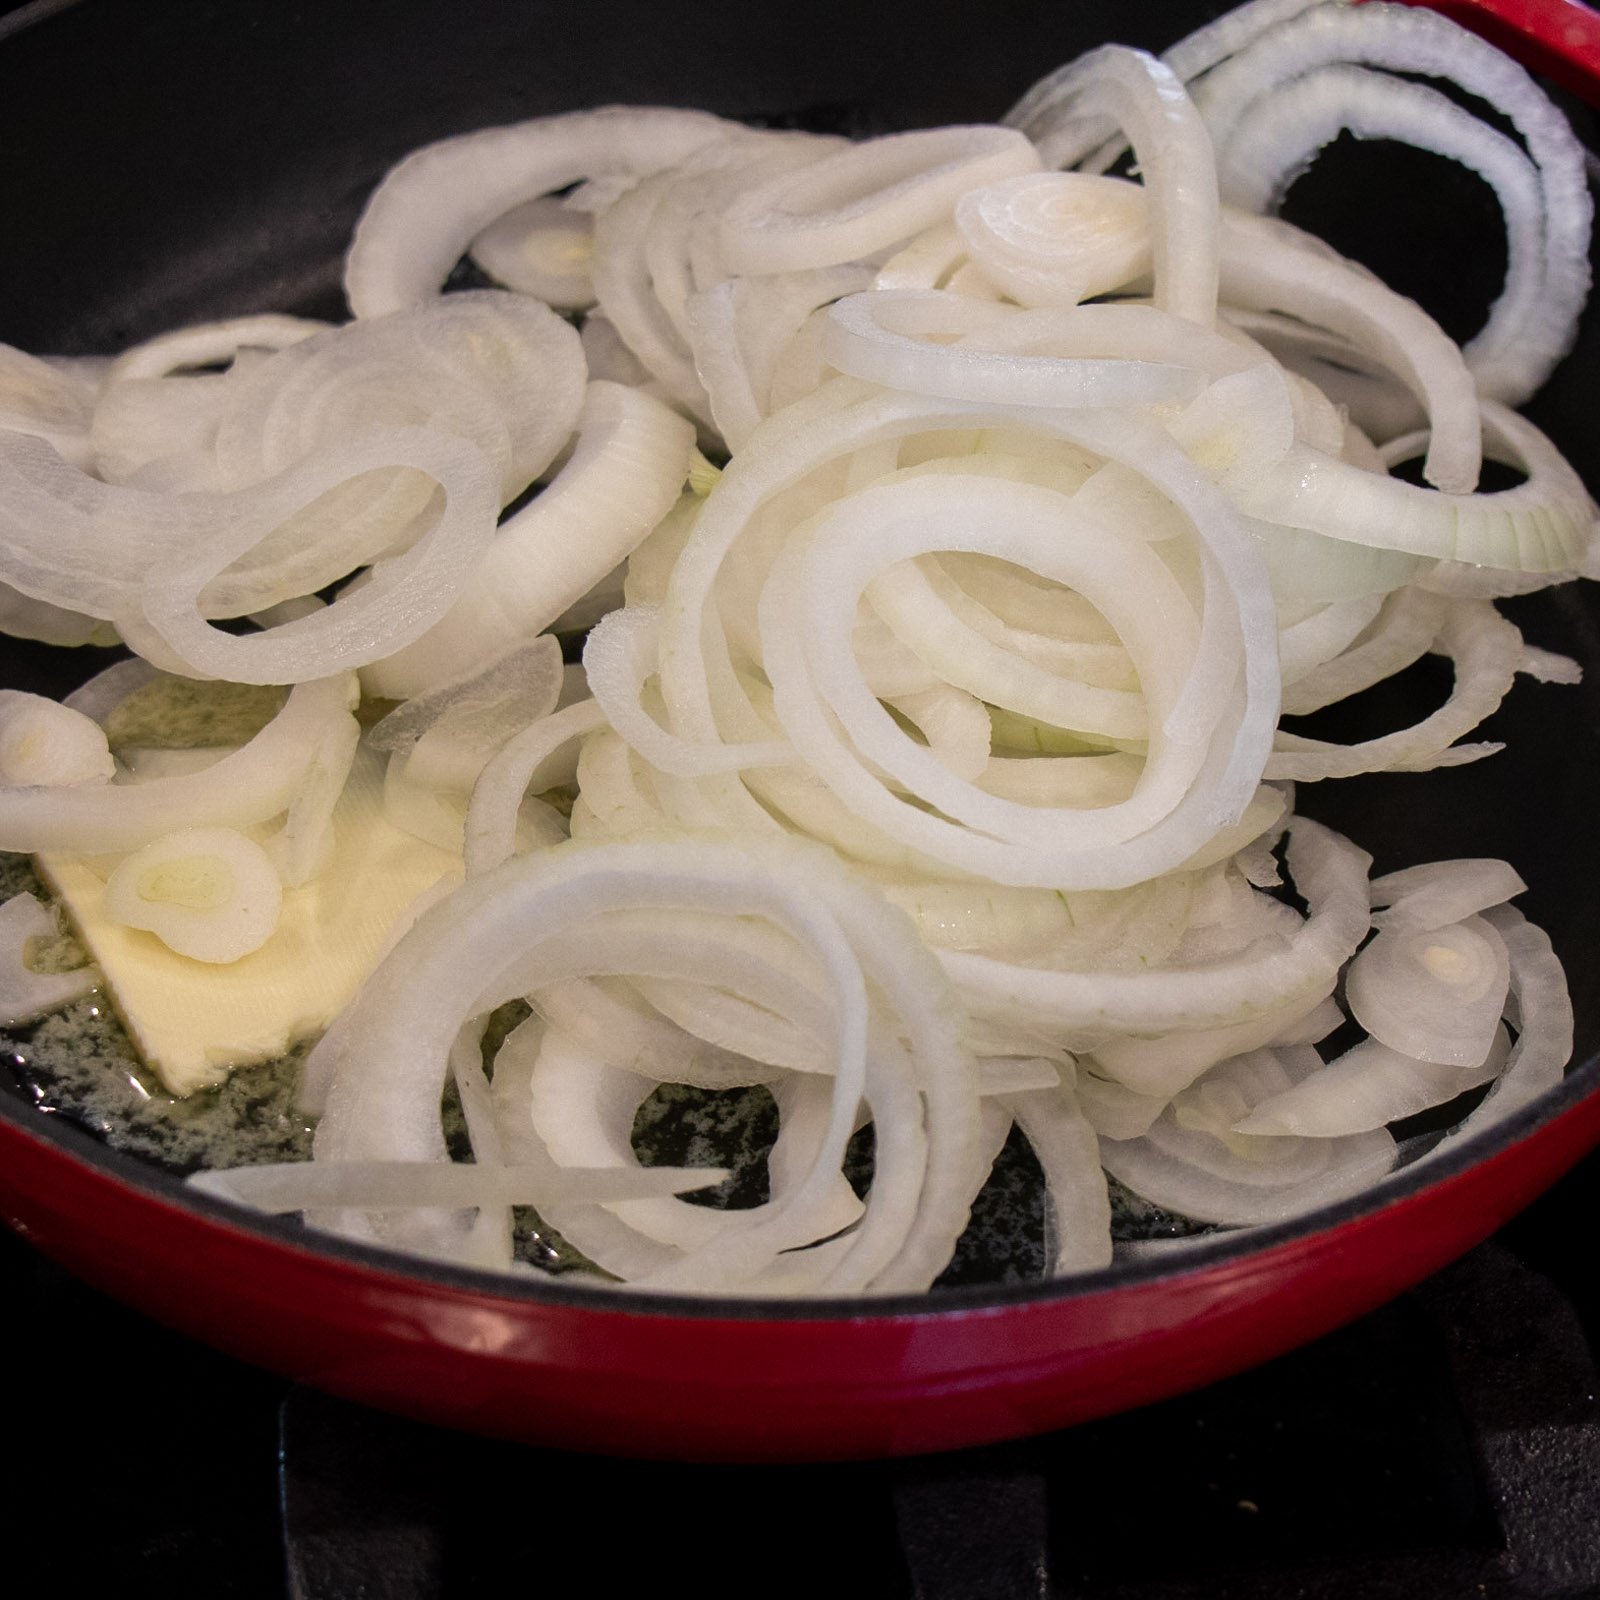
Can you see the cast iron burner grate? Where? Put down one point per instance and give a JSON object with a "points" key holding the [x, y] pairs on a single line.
{"points": [[1444, 1448]]}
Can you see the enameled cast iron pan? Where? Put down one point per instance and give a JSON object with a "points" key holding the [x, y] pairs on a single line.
{"points": [[177, 160]]}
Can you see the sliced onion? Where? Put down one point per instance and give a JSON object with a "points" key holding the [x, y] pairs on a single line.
{"points": [[1543, 1018], [26, 995], [624, 475], [470, 947], [208, 344], [1170, 143], [250, 785], [1436, 994], [1068, 1154], [45, 744], [541, 248], [1441, 892], [1486, 652], [1542, 525], [277, 1187], [1420, 43], [1368, 1087], [1057, 238], [1281, 132], [473, 711], [1329, 872], [211, 894], [1192, 1161], [1269, 266], [430, 207], [539, 757], [883, 336], [866, 198]]}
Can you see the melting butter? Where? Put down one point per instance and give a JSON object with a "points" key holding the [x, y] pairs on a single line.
{"points": [[194, 1022]]}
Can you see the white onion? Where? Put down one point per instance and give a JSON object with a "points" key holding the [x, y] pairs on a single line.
{"points": [[44, 744], [1193, 1162], [25, 994], [208, 893], [865, 198], [430, 208], [1436, 993]]}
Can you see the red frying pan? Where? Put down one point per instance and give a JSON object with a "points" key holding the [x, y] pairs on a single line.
{"points": [[181, 173]]}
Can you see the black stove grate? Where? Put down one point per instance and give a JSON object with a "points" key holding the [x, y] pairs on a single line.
{"points": [[1444, 1448]]}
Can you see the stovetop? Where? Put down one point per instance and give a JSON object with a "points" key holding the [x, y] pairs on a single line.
{"points": [[1446, 1447]]}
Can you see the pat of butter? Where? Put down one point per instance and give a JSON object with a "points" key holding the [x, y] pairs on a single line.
{"points": [[194, 1021]]}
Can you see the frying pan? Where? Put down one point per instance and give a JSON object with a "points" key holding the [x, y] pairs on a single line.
{"points": [[182, 159]]}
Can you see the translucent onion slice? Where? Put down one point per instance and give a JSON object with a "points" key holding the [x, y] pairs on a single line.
{"points": [[248, 786], [1331, 875], [1170, 143], [1441, 892], [1192, 1161], [1421, 43], [1542, 1016], [1437, 994], [512, 931], [541, 248], [446, 736], [1075, 1186], [44, 743], [623, 476], [539, 757], [1486, 652], [1368, 1087], [892, 337], [1543, 525], [278, 1187], [435, 816], [1057, 238], [303, 846], [211, 894], [431, 206], [25, 994], [865, 198]]}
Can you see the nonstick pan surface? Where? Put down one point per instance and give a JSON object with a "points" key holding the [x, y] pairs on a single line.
{"points": [[174, 161]]}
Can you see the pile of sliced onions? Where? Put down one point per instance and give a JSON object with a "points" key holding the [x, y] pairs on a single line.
{"points": [[924, 764]]}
